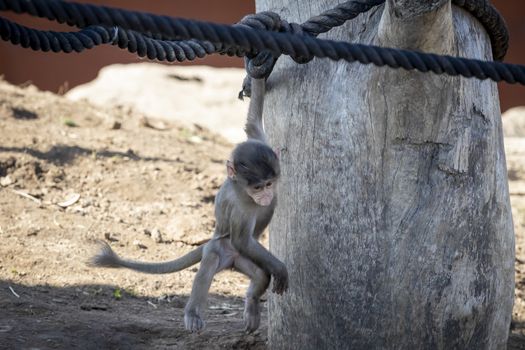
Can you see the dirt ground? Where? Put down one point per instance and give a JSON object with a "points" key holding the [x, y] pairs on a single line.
{"points": [[71, 173], [135, 177]]}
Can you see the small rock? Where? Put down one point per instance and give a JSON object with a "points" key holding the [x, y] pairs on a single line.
{"points": [[156, 124], [72, 199], [156, 235], [116, 125], [33, 232], [110, 237], [6, 181], [195, 139], [139, 245]]}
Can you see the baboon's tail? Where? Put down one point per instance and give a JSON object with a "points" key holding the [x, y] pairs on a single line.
{"points": [[254, 123], [108, 258]]}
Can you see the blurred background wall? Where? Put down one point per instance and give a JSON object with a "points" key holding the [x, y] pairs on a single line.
{"points": [[59, 72], [56, 72]]}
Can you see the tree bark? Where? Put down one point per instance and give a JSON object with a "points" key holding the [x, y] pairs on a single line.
{"points": [[394, 217]]}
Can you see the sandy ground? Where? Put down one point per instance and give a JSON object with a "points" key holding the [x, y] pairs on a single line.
{"points": [[188, 94], [132, 180], [133, 177]]}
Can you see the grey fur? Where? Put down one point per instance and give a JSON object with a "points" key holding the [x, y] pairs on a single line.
{"points": [[254, 124], [108, 258], [240, 222]]}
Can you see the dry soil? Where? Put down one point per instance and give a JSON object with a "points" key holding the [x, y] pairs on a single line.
{"points": [[71, 174]]}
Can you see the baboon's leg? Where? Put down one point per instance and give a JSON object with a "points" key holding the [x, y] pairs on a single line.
{"points": [[260, 280], [199, 292]]}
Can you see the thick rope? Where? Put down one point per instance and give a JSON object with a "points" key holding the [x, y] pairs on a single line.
{"points": [[299, 46], [492, 21], [163, 50], [304, 47], [38, 40], [82, 15], [92, 36], [482, 10]]}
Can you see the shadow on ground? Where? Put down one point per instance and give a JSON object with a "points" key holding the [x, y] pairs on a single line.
{"points": [[91, 317], [517, 336], [64, 154]]}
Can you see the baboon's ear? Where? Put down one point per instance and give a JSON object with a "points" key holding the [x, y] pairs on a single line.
{"points": [[230, 169], [277, 152]]}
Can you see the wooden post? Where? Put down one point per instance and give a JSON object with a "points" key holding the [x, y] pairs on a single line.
{"points": [[394, 217]]}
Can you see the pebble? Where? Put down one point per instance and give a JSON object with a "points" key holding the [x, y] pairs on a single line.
{"points": [[156, 235], [116, 125], [139, 245], [6, 181], [110, 237], [195, 139]]}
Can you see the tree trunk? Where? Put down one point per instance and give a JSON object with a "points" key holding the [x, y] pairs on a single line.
{"points": [[394, 217]]}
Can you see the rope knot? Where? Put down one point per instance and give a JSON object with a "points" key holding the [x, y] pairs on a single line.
{"points": [[292, 28], [259, 65], [295, 28], [263, 20]]}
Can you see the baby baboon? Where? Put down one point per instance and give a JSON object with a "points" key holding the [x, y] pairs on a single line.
{"points": [[243, 209]]}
